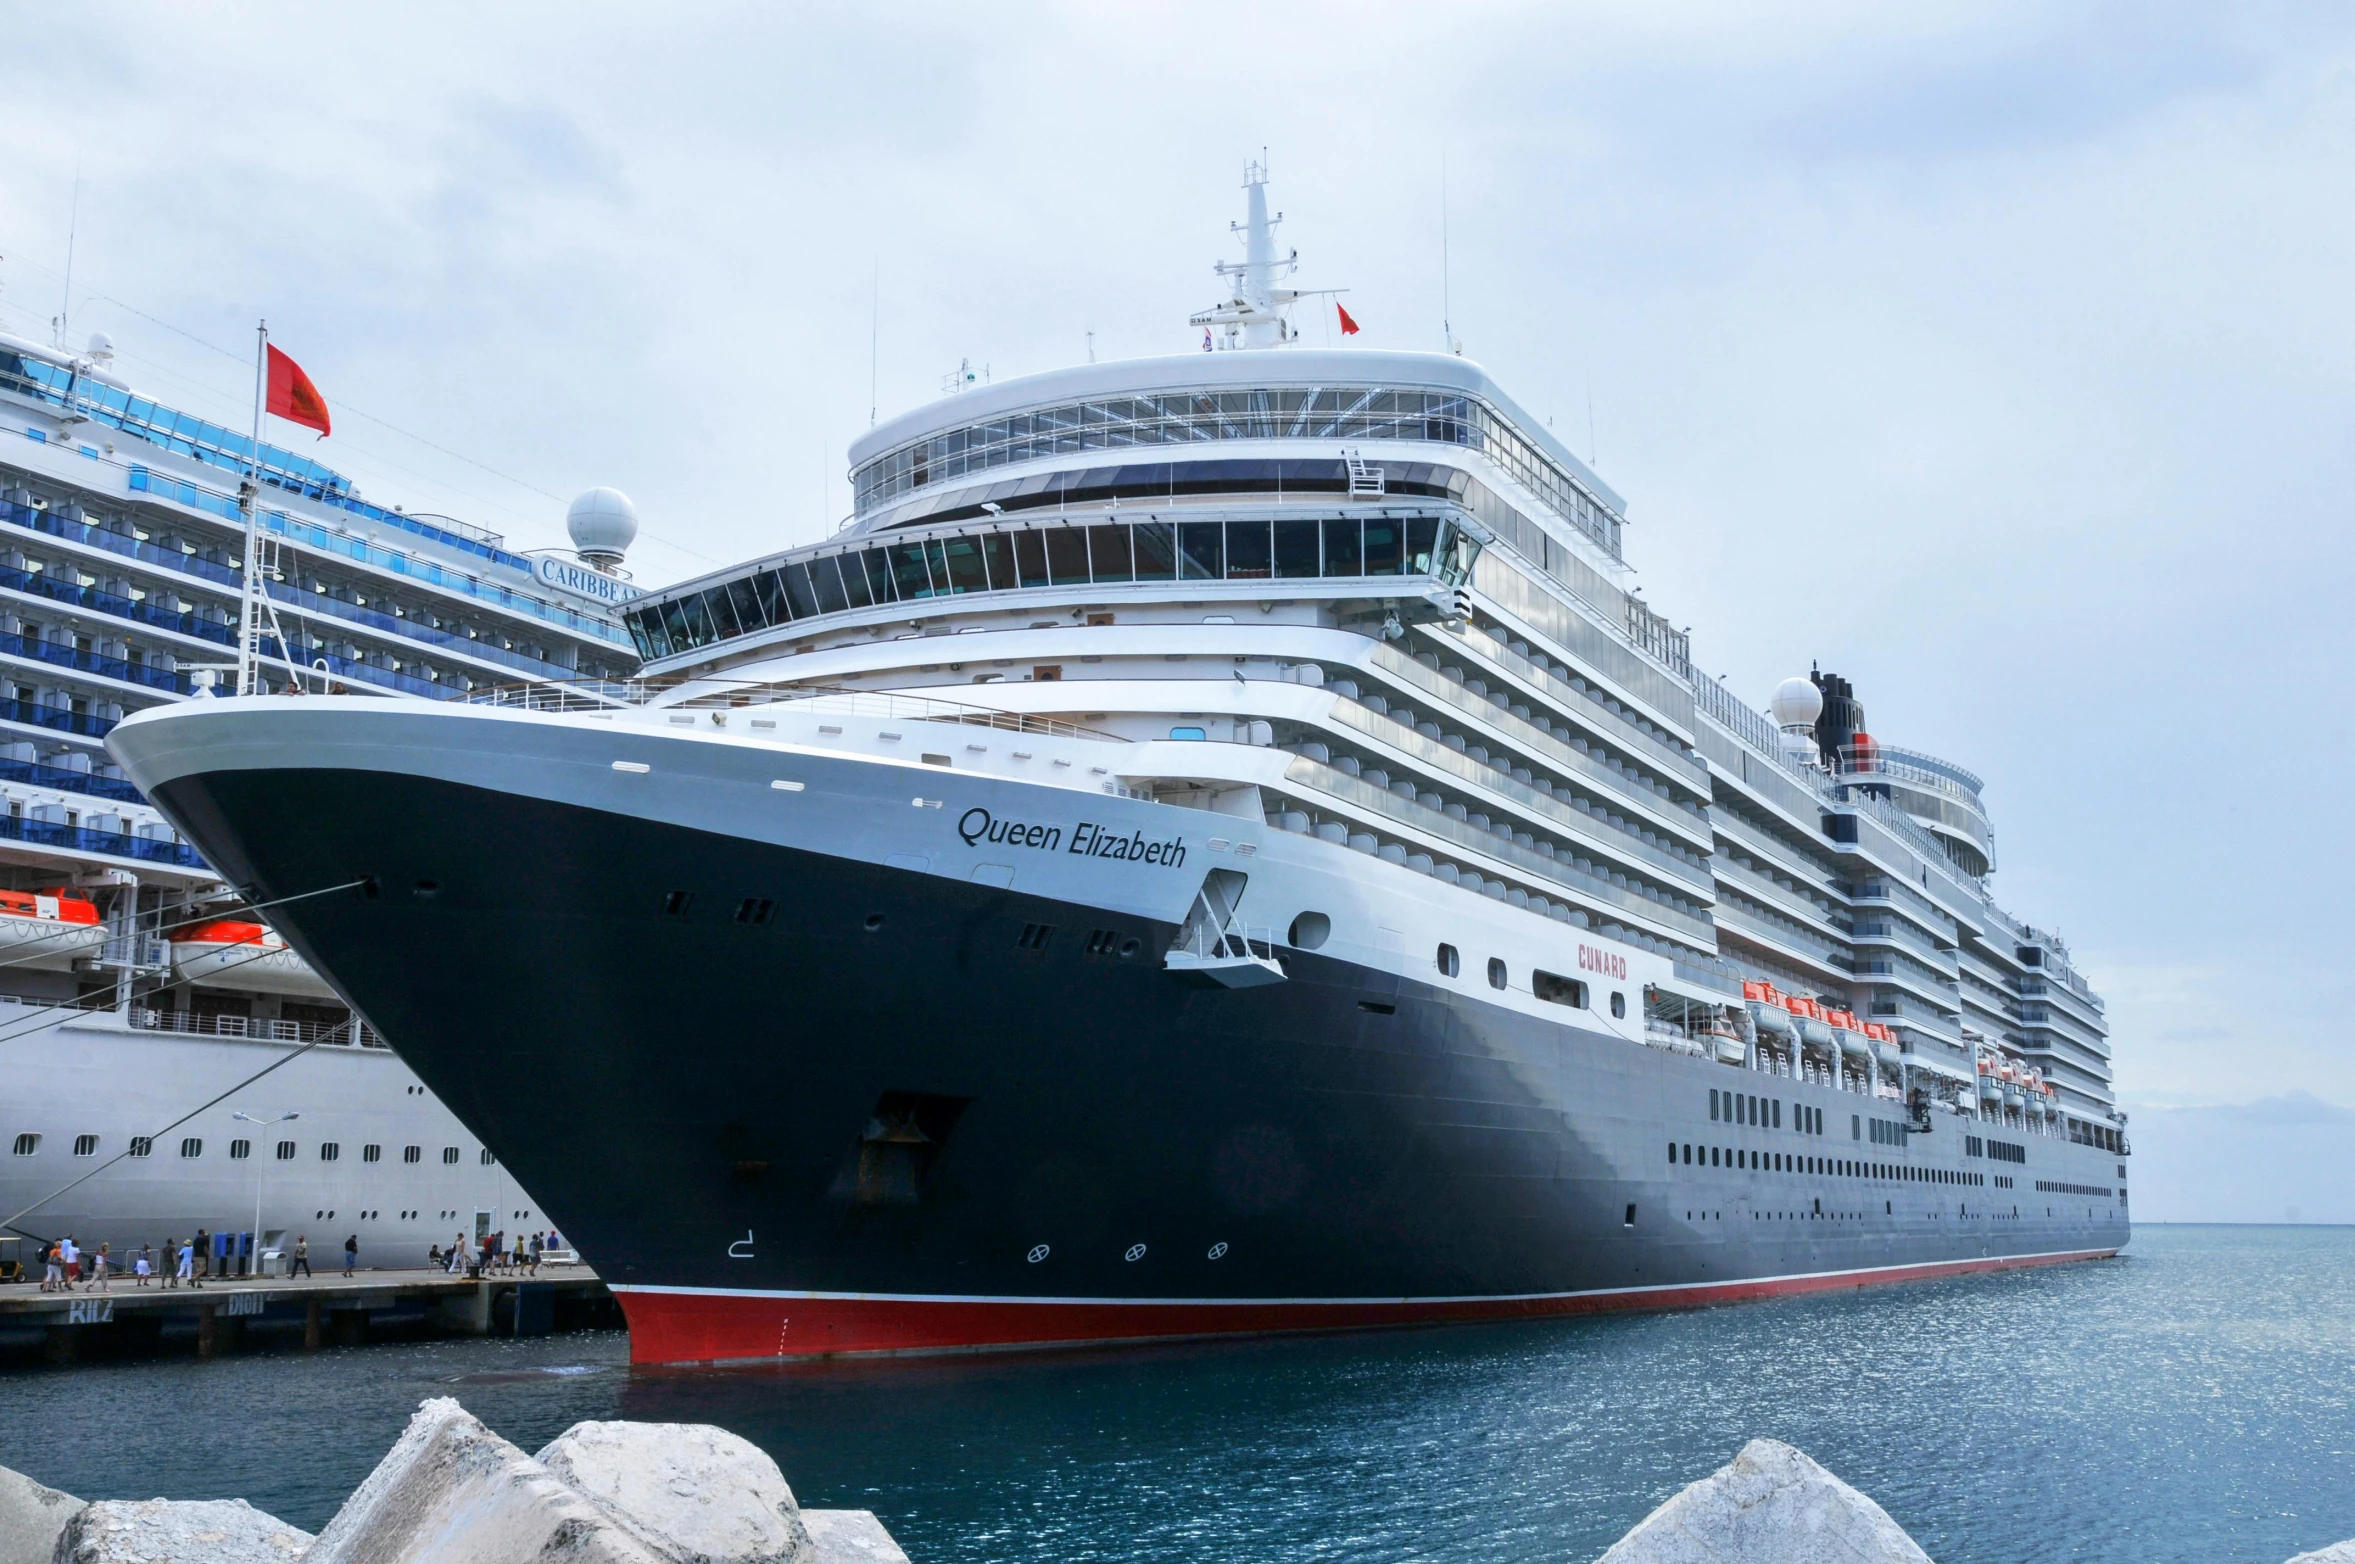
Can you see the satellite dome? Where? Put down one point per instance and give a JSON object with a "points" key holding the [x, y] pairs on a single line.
{"points": [[603, 524], [1796, 704], [101, 345]]}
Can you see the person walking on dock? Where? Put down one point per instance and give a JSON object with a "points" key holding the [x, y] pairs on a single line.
{"points": [[98, 1267], [204, 1256], [144, 1266], [69, 1259], [302, 1256], [52, 1269], [188, 1264], [351, 1254]]}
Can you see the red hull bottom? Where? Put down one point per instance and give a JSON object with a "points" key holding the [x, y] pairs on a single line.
{"points": [[695, 1326]]}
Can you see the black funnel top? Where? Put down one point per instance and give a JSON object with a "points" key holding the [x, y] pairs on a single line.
{"points": [[1842, 718]]}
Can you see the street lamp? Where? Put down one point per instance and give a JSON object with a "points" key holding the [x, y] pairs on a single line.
{"points": [[283, 1118]]}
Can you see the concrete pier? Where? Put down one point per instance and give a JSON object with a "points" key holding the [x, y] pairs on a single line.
{"points": [[233, 1314]]}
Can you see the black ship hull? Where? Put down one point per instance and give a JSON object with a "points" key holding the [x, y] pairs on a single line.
{"points": [[793, 1101]]}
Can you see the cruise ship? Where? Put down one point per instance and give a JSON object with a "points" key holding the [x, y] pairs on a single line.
{"points": [[1215, 843], [136, 984]]}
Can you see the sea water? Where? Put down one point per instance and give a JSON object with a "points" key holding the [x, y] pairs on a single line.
{"points": [[2192, 1400]]}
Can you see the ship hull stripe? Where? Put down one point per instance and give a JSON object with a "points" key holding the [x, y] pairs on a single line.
{"points": [[715, 1325]]}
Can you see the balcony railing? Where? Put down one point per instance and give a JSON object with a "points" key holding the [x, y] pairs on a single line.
{"points": [[351, 1033], [74, 838]]}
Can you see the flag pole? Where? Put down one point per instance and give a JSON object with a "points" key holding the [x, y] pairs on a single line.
{"points": [[248, 498]]}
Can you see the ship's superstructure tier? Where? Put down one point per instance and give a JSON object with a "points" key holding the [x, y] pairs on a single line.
{"points": [[1362, 597]]}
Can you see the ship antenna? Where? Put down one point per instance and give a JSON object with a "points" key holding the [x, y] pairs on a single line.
{"points": [[874, 340], [1446, 311], [1254, 313], [73, 222]]}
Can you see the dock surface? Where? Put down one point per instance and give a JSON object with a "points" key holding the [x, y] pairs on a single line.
{"points": [[226, 1313]]}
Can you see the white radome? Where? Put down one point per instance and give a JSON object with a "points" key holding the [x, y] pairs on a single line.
{"points": [[603, 524], [1796, 704]]}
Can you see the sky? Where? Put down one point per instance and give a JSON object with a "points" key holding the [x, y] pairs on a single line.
{"points": [[1996, 356]]}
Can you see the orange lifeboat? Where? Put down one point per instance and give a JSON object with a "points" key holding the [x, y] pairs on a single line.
{"points": [[49, 929], [57, 904], [239, 953]]}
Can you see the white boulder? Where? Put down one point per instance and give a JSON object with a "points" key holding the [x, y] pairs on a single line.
{"points": [[692, 1493], [1772, 1505], [2336, 1553], [850, 1537], [452, 1492], [31, 1516], [177, 1531]]}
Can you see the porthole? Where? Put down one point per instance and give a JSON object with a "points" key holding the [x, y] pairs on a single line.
{"points": [[1449, 962], [1135, 1253], [1619, 1006], [1310, 931], [1129, 947], [1496, 973], [1218, 1251], [1037, 1253], [874, 921], [426, 890]]}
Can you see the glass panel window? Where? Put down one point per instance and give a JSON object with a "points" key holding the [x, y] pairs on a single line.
{"points": [[1067, 555], [963, 559], [997, 552], [1108, 553], [740, 599], [908, 572], [1296, 549], [1248, 558], [769, 588], [854, 581], [879, 580], [1422, 537], [1201, 551], [1030, 558], [721, 613], [1344, 549], [798, 593], [695, 621], [1383, 552], [826, 577], [936, 561], [1155, 550]]}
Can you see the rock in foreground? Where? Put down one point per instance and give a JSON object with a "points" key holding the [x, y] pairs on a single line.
{"points": [[693, 1493], [31, 1516], [1772, 1505], [2336, 1553], [178, 1531]]}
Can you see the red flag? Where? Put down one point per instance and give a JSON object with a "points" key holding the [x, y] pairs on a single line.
{"points": [[1348, 325], [293, 397]]}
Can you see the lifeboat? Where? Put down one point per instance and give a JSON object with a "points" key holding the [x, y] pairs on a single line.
{"points": [[1885, 1045], [237, 954], [50, 929], [1990, 1089], [1855, 1045], [1771, 1020]]}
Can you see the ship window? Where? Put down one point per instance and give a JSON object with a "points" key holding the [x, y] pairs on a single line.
{"points": [[908, 572], [1296, 549], [1422, 534], [1344, 551], [27, 1145], [449, 1154], [1713, 1156], [487, 1158], [826, 577], [329, 1151], [961, 560], [1067, 555], [1034, 936], [1496, 973], [1030, 558], [1195, 734], [1382, 548], [1688, 1153], [878, 565], [1630, 1216], [142, 1145], [1672, 1153], [85, 1145], [192, 1147], [239, 1150], [1248, 558], [1108, 553], [1558, 990], [855, 589], [755, 910], [1310, 931], [1619, 1006], [1201, 551], [1776, 1111], [412, 1153], [1156, 551], [371, 1153], [676, 903], [286, 1151], [1449, 962]]}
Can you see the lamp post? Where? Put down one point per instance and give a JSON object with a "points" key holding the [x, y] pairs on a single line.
{"points": [[283, 1118]]}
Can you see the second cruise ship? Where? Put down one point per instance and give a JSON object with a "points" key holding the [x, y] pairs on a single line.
{"points": [[1215, 844]]}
